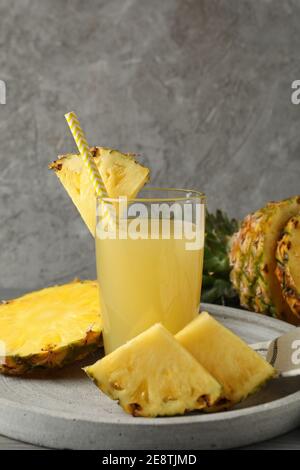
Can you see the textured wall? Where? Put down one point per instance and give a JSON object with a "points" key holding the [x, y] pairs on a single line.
{"points": [[201, 88]]}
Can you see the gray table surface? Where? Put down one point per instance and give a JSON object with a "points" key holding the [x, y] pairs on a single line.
{"points": [[290, 441]]}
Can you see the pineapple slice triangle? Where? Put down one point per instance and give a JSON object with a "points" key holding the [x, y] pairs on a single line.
{"points": [[121, 173], [49, 328], [153, 375], [240, 370]]}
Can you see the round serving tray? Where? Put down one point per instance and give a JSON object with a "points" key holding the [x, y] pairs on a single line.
{"points": [[63, 409]]}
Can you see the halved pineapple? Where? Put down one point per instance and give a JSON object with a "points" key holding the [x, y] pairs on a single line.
{"points": [[121, 173], [49, 328], [152, 375], [239, 369], [288, 264], [253, 262]]}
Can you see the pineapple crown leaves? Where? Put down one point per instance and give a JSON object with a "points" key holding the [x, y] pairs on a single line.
{"points": [[218, 291], [218, 231], [217, 287]]}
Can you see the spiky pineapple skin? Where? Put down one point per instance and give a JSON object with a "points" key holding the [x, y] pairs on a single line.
{"points": [[252, 257], [53, 357], [285, 247]]}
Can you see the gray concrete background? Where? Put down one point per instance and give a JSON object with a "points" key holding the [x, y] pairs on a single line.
{"points": [[201, 88]]}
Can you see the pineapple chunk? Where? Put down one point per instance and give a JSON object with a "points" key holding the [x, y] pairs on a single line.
{"points": [[121, 173], [288, 267], [50, 328], [152, 375], [239, 369]]}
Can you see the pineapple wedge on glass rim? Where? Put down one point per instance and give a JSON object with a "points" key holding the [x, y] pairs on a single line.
{"points": [[240, 370], [153, 375], [49, 328], [122, 175]]}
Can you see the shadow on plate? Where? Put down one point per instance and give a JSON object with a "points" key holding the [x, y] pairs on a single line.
{"points": [[275, 389]]}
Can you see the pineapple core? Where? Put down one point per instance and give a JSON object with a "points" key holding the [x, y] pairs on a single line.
{"points": [[153, 375], [239, 369], [122, 175]]}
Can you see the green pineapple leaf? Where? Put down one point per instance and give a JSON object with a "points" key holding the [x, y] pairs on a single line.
{"points": [[216, 285]]}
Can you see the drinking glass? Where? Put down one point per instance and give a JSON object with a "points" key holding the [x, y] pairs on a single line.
{"points": [[149, 253]]}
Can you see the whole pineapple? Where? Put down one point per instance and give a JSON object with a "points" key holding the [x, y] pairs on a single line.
{"points": [[253, 259], [288, 266]]}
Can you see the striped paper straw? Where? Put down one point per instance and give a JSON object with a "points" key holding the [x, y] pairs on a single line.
{"points": [[84, 150], [89, 161]]}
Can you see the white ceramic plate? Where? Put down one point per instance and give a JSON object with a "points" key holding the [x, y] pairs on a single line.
{"points": [[65, 410]]}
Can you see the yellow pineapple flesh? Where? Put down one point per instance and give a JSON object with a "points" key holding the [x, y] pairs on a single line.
{"points": [[49, 328], [288, 264], [152, 375], [122, 175], [239, 369]]}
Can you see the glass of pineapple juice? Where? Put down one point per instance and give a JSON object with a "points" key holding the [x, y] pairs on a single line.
{"points": [[149, 254]]}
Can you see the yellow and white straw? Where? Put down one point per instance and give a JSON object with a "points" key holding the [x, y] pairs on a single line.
{"points": [[88, 160], [86, 155]]}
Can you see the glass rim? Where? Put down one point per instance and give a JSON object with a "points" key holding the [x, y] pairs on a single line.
{"points": [[190, 194]]}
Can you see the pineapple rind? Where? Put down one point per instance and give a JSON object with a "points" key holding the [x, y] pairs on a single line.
{"points": [[56, 359], [287, 257], [152, 375], [239, 369], [252, 257], [59, 355]]}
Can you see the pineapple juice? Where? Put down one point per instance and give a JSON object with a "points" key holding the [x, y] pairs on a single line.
{"points": [[145, 281]]}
